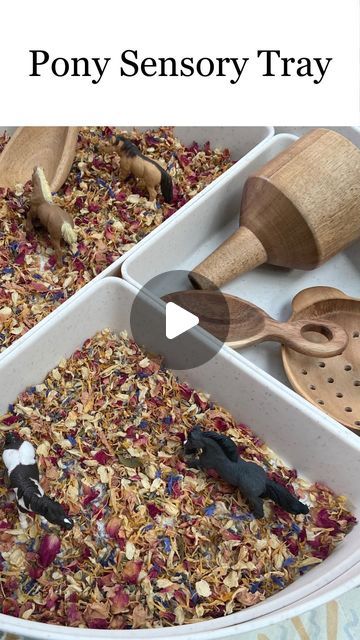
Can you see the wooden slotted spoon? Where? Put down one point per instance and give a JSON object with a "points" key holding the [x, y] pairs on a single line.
{"points": [[334, 385], [52, 148], [246, 324]]}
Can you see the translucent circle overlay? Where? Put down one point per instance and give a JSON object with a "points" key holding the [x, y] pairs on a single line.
{"points": [[190, 349]]}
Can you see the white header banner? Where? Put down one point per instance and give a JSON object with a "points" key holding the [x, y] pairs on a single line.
{"points": [[183, 62]]}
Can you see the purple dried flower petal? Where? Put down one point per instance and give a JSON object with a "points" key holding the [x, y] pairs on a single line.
{"points": [[49, 548]]}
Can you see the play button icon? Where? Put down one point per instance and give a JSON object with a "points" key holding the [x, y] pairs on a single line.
{"points": [[164, 327], [178, 320]]}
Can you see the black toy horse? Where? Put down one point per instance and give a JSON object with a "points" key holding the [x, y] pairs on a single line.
{"points": [[220, 453], [23, 473]]}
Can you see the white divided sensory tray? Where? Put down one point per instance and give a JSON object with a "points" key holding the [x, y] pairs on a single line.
{"points": [[182, 243], [46, 292], [303, 437]]}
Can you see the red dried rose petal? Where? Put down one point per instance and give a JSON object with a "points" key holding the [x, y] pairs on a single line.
{"points": [[49, 548], [186, 392], [119, 601], [102, 457], [220, 424], [90, 494], [51, 600], [112, 527], [293, 546], [131, 571], [153, 510], [201, 403], [73, 614], [321, 550], [323, 520], [36, 572], [10, 607], [10, 585]]}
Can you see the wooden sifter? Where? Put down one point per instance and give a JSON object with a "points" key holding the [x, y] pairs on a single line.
{"points": [[332, 385], [240, 323]]}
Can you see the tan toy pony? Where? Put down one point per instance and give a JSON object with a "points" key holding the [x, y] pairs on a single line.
{"points": [[58, 222], [132, 161]]}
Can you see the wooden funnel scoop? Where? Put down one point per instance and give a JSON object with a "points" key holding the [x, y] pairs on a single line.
{"points": [[247, 324], [52, 148], [299, 210]]}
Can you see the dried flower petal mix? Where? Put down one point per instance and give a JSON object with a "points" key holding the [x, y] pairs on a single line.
{"points": [[111, 215], [154, 543]]}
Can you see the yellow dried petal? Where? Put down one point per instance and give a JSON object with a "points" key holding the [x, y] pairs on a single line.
{"points": [[203, 589], [5, 313], [179, 614], [43, 449], [28, 613], [164, 583], [104, 473], [232, 579]]}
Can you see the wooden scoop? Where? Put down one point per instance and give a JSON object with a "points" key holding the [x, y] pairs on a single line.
{"points": [[334, 385], [246, 324], [297, 211], [52, 148]]}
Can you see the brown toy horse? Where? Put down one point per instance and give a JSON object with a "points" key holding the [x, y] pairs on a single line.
{"points": [[58, 222], [151, 172]]}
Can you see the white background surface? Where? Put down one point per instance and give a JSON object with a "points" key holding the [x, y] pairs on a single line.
{"points": [[324, 28], [178, 28]]}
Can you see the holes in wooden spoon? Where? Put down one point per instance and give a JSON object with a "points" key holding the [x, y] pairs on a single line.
{"points": [[347, 367], [339, 395], [330, 380], [348, 409], [357, 422], [312, 387], [321, 402], [356, 383], [304, 372], [356, 334], [322, 365]]}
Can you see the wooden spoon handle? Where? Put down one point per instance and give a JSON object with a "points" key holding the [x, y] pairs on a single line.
{"points": [[240, 253], [294, 335]]}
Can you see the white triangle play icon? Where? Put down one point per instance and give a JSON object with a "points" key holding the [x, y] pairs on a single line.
{"points": [[178, 320]]}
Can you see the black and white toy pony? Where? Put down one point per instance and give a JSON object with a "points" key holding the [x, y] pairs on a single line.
{"points": [[23, 474]]}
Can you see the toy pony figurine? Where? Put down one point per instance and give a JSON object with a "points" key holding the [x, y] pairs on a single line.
{"points": [[219, 452], [151, 172], [58, 222], [23, 474]]}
